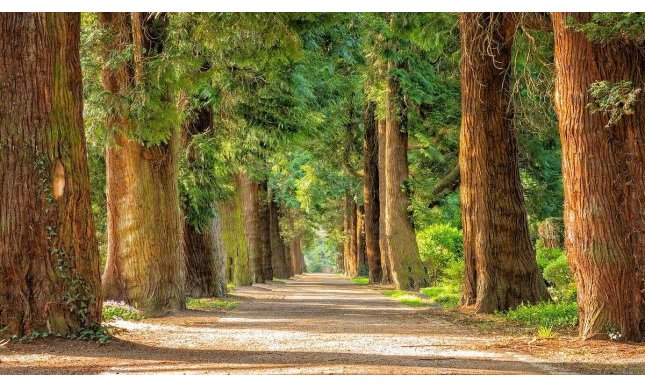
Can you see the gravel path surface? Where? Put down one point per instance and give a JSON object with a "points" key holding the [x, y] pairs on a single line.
{"points": [[313, 324]]}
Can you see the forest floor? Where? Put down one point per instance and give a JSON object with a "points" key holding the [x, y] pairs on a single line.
{"points": [[322, 324]]}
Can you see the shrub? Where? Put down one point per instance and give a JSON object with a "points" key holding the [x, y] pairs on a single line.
{"points": [[546, 314], [113, 310], [546, 255], [439, 246]]}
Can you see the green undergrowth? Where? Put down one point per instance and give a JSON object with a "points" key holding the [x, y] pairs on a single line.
{"points": [[209, 303], [361, 280], [560, 315], [407, 298], [444, 295]]}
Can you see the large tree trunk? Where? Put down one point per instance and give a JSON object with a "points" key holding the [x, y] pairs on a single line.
{"points": [[234, 238], [361, 263], [403, 253], [602, 167], [278, 260], [145, 264], [265, 233], [49, 260], [220, 279], [386, 276], [371, 195], [501, 271], [251, 204], [200, 261]]}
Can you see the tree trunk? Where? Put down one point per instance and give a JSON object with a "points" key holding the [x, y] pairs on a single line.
{"points": [[220, 278], [602, 168], [234, 238], [145, 264], [251, 203], [406, 268], [265, 233], [361, 263], [371, 195], [200, 261], [501, 271], [49, 260], [386, 276], [278, 261]]}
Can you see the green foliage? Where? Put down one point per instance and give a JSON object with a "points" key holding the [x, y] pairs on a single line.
{"points": [[120, 310], [545, 255], [615, 99], [361, 280], [210, 303], [546, 314], [439, 246], [606, 26]]}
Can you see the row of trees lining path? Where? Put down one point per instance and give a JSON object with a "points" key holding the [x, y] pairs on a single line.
{"points": [[49, 259]]}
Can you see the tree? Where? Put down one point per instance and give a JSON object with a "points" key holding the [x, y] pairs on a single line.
{"points": [[234, 237], [602, 166], [371, 195], [49, 259], [501, 271], [251, 207], [403, 252], [145, 263]]}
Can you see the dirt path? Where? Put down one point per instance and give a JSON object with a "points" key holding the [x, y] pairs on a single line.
{"points": [[315, 324]]}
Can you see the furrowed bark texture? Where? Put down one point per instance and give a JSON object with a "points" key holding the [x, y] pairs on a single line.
{"points": [[403, 253], [265, 233], [371, 195], [386, 276], [234, 238], [251, 203], [49, 260], [145, 264], [603, 171], [278, 261], [501, 271]]}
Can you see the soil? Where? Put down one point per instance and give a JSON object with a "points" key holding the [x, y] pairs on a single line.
{"points": [[322, 324]]}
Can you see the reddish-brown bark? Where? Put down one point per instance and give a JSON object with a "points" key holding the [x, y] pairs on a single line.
{"points": [[501, 271], [49, 260], [604, 181]]}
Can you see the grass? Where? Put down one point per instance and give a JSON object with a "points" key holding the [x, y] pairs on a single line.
{"points": [[443, 295], [210, 303], [361, 280], [406, 298], [546, 314], [113, 310]]}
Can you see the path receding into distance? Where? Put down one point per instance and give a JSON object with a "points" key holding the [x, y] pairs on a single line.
{"points": [[313, 324]]}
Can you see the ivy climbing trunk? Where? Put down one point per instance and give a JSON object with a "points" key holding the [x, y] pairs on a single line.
{"points": [[251, 204], [145, 263], [403, 253], [265, 233], [49, 260], [371, 195], [234, 238], [501, 271], [386, 276], [604, 181]]}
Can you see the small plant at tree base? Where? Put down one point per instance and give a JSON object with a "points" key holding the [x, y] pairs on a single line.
{"points": [[545, 333], [120, 310], [361, 280], [210, 303]]}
